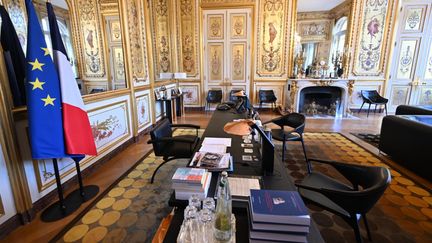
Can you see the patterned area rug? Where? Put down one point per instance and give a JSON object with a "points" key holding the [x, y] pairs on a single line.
{"points": [[403, 214], [372, 139], [132, 210]]}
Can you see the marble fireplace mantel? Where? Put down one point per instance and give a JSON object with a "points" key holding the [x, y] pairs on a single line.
{"points": [[295, 86]]}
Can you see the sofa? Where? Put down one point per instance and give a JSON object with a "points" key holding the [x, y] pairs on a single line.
{"points": [[407, 138]]}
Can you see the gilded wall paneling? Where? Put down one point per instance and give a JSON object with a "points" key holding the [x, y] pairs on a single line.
{"points": [[399, 95], [273, 38], [374, 30], [111, 126], [91, 39], [425, 95], [9, 147], [187, 26], [191, 94], [137, 41], [143, 109], [161, 35]]}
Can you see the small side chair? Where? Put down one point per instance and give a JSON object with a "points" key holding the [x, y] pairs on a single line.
{"points": [[373, 97]]}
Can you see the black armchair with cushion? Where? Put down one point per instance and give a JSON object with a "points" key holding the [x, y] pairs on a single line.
{"points": [[267, 96], [214, 96], [351, 202], [296, 122], [169, 147], [373, 97]]}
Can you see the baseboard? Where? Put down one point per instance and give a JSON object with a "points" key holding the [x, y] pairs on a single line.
{"points": [[201, 108], [10, 225]]}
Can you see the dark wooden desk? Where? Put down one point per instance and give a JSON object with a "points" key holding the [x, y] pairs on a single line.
{"points": [[280, 180]]}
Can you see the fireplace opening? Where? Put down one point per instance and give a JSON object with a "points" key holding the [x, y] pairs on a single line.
{"points": [[321, 101]]}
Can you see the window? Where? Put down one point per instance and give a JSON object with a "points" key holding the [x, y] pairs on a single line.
{"points": [[66, 38], [338, 40]]}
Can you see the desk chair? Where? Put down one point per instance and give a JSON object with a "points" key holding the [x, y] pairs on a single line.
{"points": [[267, 96], [231, 95], [297, 123], [169, 147], [213, 96], [373, 97], [351, 202]]}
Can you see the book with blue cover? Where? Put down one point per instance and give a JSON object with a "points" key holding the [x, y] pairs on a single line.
{"points": [[283, 207]]}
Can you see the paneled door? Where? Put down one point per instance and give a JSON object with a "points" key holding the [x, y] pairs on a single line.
{"points": [[227, 49], [411, 71]]}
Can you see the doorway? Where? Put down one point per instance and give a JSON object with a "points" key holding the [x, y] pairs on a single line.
{"points": [[227, 50], [411, 71]]}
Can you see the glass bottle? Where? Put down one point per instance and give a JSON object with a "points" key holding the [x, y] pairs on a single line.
{"points": [[222, 224]]}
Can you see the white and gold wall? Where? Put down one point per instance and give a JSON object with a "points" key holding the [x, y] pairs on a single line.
{"points": [[165, 36]]}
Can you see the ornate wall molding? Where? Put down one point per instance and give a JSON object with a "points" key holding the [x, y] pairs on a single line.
{"points": [[273, 38], [372, 36], [161, 36], [187, 25], [91, 43], [137, 42]]}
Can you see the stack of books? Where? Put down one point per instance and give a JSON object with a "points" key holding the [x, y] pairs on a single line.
{"points": [[189, 181], [277, 216]]}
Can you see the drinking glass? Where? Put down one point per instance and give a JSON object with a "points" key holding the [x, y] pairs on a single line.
{"points": [[209, 203], [206, 218], [195, 201]]}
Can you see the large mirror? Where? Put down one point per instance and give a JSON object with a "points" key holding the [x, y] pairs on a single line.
{"points": [[95, 47], [320, 38]]}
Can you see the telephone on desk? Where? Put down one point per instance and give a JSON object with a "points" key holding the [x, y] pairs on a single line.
{"points": [[225, 106]]}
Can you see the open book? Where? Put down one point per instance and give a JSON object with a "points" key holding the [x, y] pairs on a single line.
{"points": [[211, 161]]}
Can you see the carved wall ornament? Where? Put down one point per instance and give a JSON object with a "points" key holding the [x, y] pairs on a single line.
{"points": [[161, 7], [369, 56], [406, 60], [215, 63], [273, 5], [137, 42], [91, 36], [238, 63], [273, 38], [164, 52], [186, 7], [413, 19], [161, 34], [325, 82], [314, 30], [187, 26]]}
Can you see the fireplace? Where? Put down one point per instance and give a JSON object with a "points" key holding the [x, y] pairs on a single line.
{"points": [[320, 97], [320, 101]]}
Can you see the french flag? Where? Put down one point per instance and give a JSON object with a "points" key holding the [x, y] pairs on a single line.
{"points": [[77, 131]]}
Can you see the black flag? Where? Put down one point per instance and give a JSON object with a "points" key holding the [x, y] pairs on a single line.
{"points": [[14, 58]]}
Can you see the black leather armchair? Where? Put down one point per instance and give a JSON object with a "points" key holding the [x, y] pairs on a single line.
{"points": [[350, 202], [414, 110], [373, 97], [214, 96], [169, 147], [297, 123], [267, 96]]}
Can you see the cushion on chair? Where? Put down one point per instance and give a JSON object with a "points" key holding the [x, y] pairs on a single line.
{"points": [[317, 178], [182, 150], [278, 134]]}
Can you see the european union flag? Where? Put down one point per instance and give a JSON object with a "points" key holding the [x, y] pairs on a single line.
{"points": [[43, 94]]}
